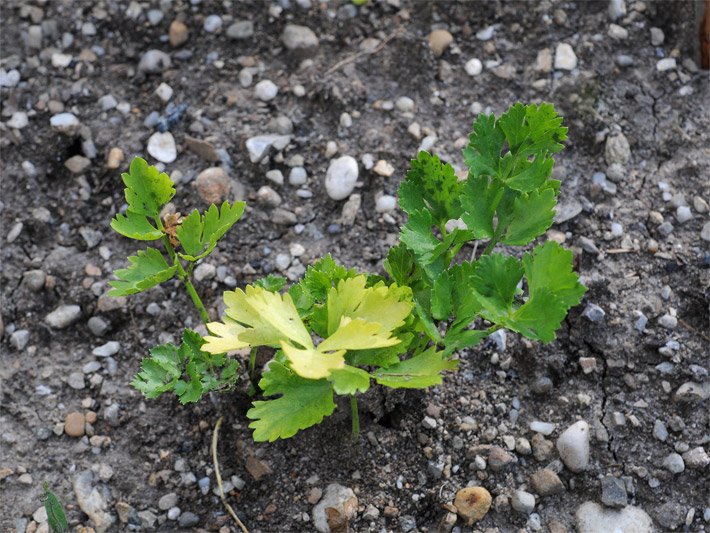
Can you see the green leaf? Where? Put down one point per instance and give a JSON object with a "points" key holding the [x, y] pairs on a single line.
{"points": [[531, 175], [495, 282], [533, 129], [540, 317], [135, 226], [441, 297], [531, 216], [198, 234], [349, 380], [380, 356], [302, 404], [153, 379], [147, 189], [549, 266], [55, 513], [458, 338], [271, 283], [147, 269], [479, 201], [317, 281], [483, 153], [400, 265], [419, 372], [432, 185], [188, 391]]}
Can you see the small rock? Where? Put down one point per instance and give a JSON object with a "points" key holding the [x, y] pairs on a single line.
{"points": [[9, 78], [92, 502], [212, 23], [260, 145], [65, 123], [335, 509], [472, 503], [173, 513], [268, 196], [674, 463], [618, 32], [76, 381], [18, 120], [498, 459], [74, 424], [668, 321], [241, 29], [613, 492], [593, 518], [593, 313], [63, 316], [299, 38], [164, 92], [154, 61], [114, 159], [204, 149], [385, 204], [19, 339], [167, 501], [473, 67], [565, 58], [77, 164], [341, 177], [162, 147], [617, 9], [573, 446], [546, 428], [523, 502], [298, 176], [657, 36], [546, 482], [188, 520], [178, 33], [667, 63], [213, 185], [98, 326], [257, 468], [383, 168], [683, 214], [439, 41], [266, 90], [617, 149], [696, 459], [705, 232], [106, 350], [660, 431], [205, 271]]}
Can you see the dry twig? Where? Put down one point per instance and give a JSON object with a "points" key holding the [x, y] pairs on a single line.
{"points": [[231, 512]]}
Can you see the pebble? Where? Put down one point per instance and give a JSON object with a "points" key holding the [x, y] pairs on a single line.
{"points": [[565, 58], [618, 32], [498, 459], [523, 502], [76, 381], [613, 492], [65, 123], [213, 185], [683, 214], [573, 446], [91, 367], [693, 392], [341, 177], [299, 38], [298, 176], [705, 232], [9, 78], [657, 36], [61, 60], [114, 159], [660, 431], [18, 120], [164, 92], [107, 102], [92, 501], [341, 505], [696, 458], [74, 424], [205, 271], [668, 321], [617, 9], [593, 313], [546, 482], [241, 29], [188, 519], [674, 463], [473, 67], [472, 503], [212, 23], [439, 41], [173, 513], [385, 204], [260, 145], [266, 90], [98, 326], [19, 339], [178, 33], [154, 61], [167, 501], [593, 518], [161, 146], [155, 16], [667, 63], [546, 428], [617, 149], [486, 34], [77, 164], [275, 176], [63, 316]]}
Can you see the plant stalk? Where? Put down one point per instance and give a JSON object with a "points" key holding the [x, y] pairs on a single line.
{"points": [[355, 416]]}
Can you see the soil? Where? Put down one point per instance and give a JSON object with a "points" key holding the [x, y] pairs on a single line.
{"points": [[665, 115]]}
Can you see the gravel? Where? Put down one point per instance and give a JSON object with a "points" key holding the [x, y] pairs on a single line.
{"points": [[63, 316], [573, 446], [341, 177]]}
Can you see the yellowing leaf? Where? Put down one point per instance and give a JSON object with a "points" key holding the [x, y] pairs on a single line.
{"points": [[357, 334], [379, 304], [311, 363], [224, 338]]}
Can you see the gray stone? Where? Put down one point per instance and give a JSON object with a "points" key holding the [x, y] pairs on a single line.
{"points": [[63, 316], [674, 463], [188, 519], [167, 501], [565, 58], [523, 502], [241, 29], [617, 149], [546, 428], [18, 120], [19, 339], [92, 501], [593, 313], [660, 431], [65, 123], [154, 61], [341, 504], [617, 9], [613, 492], [260, 145], [98, 326], [668, 321], [173, 513], [696, 459], [299, 38], [593, 518], [670, 515], [573, 446], [266, 90], [76, 381], [298, 176], [657, 36], [212, 23], [341, 177]]}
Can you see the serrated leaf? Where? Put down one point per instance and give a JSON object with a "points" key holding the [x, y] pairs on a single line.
{"points": [[358, 334], [271, 283], [317, 281], [56, 518], [530, 176], [479, 204], [349, 380], [533, 129], [549, 266], [380, 356], [531, 216], [483, 153], [135, 226], [441, 297], [495, 281], [458, 338], [147, 189], [431, 185], [400, 265], [188, 391], [225, 337], [302, 404], [198, 234], [421, 371], [153, 379], [147, 269], [539, 317]]}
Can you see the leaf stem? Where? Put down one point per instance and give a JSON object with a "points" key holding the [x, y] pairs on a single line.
{"points": [[355, 416], [494, 240], [252, 362]]}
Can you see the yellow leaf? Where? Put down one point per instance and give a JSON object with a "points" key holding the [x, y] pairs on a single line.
{"points": [[224, 338], [270, 317], [357, 335], [313, 364], [379, 304]]}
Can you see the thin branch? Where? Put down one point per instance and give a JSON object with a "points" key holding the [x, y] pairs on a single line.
{"points": [[355, 57], [215, 463]]}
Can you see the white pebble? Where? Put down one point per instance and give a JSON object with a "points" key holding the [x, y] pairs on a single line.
{"points": [[164, 92], [573, 446], [212, 23], [473, 67], [667, 63], [162, 147], [546, 428], [683, 214], [18, 120], [297, 176], [385, 203], [341, 177], [565, 58], [266, 90]]}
